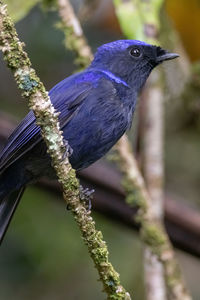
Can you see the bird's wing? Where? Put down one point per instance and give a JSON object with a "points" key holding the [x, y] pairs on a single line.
{"points": [[66, 97]]}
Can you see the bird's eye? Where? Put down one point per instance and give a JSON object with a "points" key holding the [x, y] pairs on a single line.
{"points": [[135, 52]]}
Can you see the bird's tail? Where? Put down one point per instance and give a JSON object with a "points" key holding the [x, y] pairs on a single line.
{"points": [[12, 182], [8, 205]]}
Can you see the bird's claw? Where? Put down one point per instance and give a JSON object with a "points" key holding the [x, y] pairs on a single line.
{"points": [[68, 150], [86, 196]]}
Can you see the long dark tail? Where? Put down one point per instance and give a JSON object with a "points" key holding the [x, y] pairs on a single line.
{"points": [[12, 183], [8, 206]]}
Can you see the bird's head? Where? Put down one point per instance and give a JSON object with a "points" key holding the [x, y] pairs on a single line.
{"points": [[130, 60]]}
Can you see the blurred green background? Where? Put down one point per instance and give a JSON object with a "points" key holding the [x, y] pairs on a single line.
{"points": [[43, 256]]}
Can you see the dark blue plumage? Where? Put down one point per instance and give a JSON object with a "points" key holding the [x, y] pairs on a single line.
{"points": [[96, 109]]}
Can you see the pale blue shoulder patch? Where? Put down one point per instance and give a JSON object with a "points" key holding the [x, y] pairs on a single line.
{"points": [[113, 77]]}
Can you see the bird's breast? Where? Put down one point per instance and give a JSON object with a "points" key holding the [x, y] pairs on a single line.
{"points": [[94, 131]]}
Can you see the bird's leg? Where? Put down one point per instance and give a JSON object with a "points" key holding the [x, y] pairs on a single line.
{"points": [[68, 150], [86, 195]]}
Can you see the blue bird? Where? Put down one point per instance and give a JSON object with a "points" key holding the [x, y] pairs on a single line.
{"points": [[96, 108]]}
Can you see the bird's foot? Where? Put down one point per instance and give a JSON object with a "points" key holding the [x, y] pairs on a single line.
{"points": [[86, 196], [68, 150]]}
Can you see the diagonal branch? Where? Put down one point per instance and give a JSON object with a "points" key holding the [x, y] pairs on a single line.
{"points": [[47, 118], [152, 231]]}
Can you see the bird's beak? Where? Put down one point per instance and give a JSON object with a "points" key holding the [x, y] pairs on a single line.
{"points": [[163, 55]]}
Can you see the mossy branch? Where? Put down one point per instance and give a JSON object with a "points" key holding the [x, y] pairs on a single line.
{"points": [[47, 118], [74, 38], [152, 231]]}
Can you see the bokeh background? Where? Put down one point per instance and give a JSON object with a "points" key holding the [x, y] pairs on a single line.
{"points": [[43, 256]]}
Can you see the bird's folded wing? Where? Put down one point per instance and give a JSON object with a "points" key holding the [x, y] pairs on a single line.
{"points": [[66, 97]]}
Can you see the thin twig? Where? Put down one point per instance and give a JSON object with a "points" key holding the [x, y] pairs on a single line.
{"points": [[153, 173], [153, 164], [74, 38], [47, 118]]}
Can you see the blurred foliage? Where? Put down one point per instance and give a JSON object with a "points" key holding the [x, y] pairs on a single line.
{"points": [[18, 9], [49, 4], [186, 17], [189, 102], [134, 13]]}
